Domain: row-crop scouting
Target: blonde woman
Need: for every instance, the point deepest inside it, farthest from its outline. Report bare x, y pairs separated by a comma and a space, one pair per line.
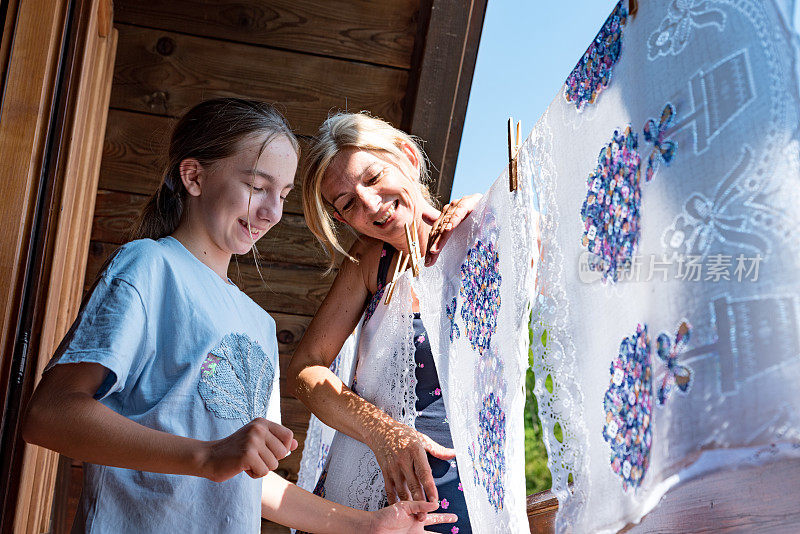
391, 418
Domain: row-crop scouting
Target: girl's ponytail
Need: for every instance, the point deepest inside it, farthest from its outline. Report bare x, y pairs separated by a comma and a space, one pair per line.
162, 213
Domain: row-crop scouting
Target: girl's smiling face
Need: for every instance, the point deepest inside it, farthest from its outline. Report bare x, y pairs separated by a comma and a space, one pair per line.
372, 193
236, 200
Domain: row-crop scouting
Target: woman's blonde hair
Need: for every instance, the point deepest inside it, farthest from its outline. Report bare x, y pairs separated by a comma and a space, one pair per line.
360, 131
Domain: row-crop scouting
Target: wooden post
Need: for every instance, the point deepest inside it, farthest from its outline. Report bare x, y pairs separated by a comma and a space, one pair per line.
61, 182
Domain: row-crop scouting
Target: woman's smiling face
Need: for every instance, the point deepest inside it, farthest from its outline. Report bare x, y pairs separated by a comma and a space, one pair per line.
372, 193
242, 195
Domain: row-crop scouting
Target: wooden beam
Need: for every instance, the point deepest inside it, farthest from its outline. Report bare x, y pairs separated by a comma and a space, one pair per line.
166, 73
439, 95
362, 30
542, 509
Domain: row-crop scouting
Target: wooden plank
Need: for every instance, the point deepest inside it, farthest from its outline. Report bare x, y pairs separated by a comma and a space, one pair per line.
542, 508
364, 30
268, 527
168, 79
68, 490
284, 288
290, 329
134, 151
751, 499
439, 93
289, 241
134, 155
755, 500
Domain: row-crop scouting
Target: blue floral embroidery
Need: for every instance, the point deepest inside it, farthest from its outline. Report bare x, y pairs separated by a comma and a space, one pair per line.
628, 407
663, 150
592, 74
487, 449
451, 314
236, 379
480, 292
488, 459
611, 210
373, 303
676, 375
319, 489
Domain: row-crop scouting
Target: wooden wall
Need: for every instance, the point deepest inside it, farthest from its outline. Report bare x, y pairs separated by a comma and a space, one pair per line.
310, 57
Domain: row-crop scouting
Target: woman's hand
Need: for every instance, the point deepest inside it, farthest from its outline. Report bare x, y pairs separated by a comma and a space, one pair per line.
256, 449
407, 517
452, 215
401, 454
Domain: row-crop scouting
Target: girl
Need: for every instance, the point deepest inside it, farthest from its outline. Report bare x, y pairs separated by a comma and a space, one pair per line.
170, 370
370, 176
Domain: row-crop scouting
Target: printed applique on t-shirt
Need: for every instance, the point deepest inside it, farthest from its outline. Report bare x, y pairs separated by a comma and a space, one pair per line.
236, 379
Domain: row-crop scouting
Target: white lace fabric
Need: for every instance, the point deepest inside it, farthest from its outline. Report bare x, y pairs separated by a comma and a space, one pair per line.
481, 371
727, 197
480, 346
384, 371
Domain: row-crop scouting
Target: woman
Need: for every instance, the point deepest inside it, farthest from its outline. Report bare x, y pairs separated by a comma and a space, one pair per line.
170, 370
371, 177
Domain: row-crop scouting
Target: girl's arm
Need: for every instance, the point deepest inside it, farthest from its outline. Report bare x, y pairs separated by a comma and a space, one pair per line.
399, 449
287, 504
64, 416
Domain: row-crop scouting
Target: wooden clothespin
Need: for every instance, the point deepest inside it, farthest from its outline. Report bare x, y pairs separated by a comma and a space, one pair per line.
633, 7
413, 247
402, 261
513, 152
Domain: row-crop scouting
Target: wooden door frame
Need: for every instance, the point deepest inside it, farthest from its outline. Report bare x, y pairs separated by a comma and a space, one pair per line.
55, 180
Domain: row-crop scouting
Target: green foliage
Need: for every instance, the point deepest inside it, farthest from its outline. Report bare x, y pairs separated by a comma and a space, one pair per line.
537, 475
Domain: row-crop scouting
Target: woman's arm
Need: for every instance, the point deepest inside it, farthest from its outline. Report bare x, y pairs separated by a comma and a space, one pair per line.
64, 416
399, 449
287, 504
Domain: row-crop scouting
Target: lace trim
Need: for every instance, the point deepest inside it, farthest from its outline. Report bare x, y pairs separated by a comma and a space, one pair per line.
554, 365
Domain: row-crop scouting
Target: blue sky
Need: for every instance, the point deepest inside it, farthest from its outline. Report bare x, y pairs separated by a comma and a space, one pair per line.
527, 50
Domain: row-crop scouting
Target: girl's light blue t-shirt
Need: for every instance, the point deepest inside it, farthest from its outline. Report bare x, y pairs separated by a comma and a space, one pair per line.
188, 354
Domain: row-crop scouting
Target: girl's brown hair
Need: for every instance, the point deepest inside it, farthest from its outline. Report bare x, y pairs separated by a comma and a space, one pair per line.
210, 131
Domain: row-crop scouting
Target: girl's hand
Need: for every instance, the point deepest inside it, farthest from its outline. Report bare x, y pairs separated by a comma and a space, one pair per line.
407, 517
256, 449
401, 454
452, 215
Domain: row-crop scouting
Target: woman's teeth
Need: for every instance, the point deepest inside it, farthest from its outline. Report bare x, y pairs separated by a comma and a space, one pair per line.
389, 213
